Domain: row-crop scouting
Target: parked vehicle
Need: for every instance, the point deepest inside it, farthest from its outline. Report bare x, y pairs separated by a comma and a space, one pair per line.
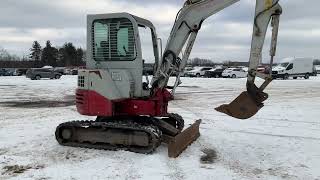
38, 73
2, 72
294, 67
6, 72
74, 72
14, 72
317, 69
187, 69
148, 69
315, 73
47, 67
216, 72
61, 70
10, 72
235, 73
21, 71
183, 74
197, 71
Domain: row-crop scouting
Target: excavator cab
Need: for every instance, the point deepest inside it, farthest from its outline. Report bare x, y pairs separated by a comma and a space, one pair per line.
115, 51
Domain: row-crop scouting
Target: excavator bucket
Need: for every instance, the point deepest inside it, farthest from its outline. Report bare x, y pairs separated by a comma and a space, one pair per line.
243, 107
178, 143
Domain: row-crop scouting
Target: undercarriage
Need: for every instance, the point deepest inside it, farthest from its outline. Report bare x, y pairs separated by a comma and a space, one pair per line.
140, 134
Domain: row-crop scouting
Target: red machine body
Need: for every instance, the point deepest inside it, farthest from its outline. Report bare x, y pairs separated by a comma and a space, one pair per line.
91, 103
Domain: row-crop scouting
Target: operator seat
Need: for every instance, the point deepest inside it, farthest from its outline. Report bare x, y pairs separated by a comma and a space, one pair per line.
103, 51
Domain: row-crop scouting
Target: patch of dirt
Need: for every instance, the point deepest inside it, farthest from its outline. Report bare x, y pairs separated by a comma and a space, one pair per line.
257, 171
37, 104
17, 169
210, 156
280, 172
8, 85
70, 155
179, 98
68, 100
217, 92
189, 86
70, 97
43, 178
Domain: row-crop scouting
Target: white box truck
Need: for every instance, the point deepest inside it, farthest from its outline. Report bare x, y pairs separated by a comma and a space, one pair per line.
293, 67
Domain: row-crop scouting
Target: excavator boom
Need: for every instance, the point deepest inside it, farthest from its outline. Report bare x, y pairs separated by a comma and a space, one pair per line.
185, 30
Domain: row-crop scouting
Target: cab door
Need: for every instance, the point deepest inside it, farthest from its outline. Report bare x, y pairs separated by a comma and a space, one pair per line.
114, 49
46, 73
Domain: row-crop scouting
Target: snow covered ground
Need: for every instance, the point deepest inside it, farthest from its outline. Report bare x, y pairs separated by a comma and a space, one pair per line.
281, 142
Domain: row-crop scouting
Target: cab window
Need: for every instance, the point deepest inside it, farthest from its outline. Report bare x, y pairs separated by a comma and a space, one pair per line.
290, 67
113, 40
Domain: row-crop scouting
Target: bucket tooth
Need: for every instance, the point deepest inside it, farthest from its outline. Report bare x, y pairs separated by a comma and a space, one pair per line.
243, 107
178, 143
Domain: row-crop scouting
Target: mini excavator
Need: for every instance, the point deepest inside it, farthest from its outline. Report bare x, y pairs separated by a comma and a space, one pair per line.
132, 114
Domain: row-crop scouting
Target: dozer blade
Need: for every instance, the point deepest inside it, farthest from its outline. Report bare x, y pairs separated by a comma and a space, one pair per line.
180, 142
243, 107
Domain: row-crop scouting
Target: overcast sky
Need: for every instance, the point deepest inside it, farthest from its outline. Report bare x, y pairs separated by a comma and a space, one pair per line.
224, 36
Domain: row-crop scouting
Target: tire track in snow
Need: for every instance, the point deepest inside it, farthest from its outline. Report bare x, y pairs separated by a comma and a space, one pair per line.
274, 135
287, 120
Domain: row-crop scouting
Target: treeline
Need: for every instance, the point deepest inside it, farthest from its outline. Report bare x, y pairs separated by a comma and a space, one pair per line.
6, 56
65, 56
200, 62
68, 55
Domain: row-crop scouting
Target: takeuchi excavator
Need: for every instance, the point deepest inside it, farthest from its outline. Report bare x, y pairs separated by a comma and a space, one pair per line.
132, 114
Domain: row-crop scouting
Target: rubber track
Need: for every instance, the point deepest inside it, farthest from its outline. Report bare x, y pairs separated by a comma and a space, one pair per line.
154, 134
179, 122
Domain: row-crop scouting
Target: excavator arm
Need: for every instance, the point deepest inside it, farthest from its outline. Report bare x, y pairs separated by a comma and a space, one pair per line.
248, 103
183, 35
